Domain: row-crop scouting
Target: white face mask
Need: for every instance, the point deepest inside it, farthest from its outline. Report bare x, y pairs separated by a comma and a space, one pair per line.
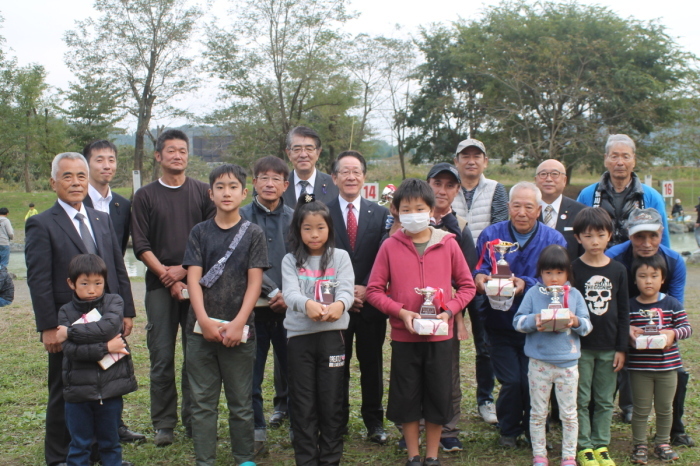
415, 223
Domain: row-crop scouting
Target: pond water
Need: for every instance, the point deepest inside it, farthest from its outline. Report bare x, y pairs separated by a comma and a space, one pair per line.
135, 268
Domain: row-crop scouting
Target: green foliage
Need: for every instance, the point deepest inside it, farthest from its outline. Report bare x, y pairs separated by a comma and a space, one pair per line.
546, 80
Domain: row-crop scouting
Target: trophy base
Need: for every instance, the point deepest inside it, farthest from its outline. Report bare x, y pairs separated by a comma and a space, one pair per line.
327, 299
502, 271
428, 312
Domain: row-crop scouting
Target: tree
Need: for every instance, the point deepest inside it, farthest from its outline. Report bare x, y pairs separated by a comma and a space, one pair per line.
279, 65
546, 81
139, 45
95, 106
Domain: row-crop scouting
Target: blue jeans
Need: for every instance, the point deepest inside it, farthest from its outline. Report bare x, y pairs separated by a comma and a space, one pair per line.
267, 331
4, 256
91, 420
510, 365
484, 369
4, 302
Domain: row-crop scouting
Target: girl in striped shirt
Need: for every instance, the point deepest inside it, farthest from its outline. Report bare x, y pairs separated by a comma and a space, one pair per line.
653, 371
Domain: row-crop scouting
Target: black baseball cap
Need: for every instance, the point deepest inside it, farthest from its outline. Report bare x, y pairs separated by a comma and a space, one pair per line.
444, 167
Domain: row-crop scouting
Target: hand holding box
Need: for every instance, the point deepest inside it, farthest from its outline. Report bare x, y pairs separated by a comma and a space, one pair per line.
503, 287
656, 342
430, 327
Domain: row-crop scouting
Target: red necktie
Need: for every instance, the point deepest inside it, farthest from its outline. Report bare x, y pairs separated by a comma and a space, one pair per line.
352, 226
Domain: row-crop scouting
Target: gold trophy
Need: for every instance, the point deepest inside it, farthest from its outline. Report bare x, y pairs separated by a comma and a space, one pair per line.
327, 294
427, 309
503, 248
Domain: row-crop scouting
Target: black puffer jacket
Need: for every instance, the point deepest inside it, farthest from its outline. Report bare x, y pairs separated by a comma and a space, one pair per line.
83, 379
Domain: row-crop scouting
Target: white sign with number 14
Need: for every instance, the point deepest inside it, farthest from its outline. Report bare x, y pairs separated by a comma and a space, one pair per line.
370, 191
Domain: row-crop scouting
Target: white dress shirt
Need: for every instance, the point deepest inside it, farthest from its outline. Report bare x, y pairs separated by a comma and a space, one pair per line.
297, 185
76, 223
556, 205
98, 202
344, 209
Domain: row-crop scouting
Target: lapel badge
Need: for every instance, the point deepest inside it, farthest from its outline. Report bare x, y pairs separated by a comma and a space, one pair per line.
563, 216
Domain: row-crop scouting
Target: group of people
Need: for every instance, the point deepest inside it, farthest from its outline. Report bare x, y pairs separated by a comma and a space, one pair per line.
312, 269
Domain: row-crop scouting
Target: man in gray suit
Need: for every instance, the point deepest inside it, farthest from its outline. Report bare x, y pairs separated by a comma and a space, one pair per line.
303, 149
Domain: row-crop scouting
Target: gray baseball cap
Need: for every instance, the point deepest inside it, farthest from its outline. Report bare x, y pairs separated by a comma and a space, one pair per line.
644, 220
470, 143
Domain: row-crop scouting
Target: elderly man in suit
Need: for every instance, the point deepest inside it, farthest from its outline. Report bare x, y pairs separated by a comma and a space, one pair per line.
558, 211
53, 238
359, 226
303, 149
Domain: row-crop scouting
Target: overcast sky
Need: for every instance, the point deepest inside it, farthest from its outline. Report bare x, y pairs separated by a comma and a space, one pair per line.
34, 29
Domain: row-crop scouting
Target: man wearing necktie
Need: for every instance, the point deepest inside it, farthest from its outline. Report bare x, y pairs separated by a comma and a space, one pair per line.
558, 211
53, 238
359, 227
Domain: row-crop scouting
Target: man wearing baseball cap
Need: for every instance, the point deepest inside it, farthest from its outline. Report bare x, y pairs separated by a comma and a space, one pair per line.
482, 201
645, 230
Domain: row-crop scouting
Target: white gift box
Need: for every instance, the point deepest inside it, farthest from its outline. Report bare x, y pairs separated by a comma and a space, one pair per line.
503, 287
430, 327
555, 320
651, 341
109, 360
246, 330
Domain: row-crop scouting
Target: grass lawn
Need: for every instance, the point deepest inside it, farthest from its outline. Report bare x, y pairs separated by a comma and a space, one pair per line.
23, 398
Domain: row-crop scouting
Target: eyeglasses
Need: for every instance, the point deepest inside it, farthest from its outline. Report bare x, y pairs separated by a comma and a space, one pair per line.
274, 179
296, 150
624, 157
554, 174
346, 173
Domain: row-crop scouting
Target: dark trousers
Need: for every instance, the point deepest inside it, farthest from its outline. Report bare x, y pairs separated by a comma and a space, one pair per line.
57, 437
281, 388
267, 331
625, 400
92, 421
484, 369
370, 336
165, 315
510, 365
316, 374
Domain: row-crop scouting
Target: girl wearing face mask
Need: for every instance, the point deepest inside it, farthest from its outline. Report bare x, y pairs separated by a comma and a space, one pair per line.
419, 256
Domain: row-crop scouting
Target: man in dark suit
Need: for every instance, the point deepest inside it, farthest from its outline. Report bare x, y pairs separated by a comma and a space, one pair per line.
303, 149
53, 238
359, 227
558, 211
101, 156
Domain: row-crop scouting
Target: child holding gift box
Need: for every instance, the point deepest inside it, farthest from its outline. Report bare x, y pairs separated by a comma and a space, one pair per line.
603, 283
419, 256
653, 371
553, 355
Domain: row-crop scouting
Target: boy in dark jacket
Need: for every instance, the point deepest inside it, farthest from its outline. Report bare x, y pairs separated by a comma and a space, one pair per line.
93, 395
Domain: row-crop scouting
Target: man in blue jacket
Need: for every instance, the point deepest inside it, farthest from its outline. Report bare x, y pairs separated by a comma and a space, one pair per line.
507, 345
645, 230
619, 189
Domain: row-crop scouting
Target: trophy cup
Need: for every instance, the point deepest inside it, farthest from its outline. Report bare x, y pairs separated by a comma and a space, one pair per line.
427, 309
556, 316
327, 295
652, 338
503, 248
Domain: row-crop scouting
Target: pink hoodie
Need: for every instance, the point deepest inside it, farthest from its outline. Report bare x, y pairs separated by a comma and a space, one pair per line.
399, 265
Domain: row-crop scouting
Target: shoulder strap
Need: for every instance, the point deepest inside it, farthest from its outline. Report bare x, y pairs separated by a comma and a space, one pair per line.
215, 272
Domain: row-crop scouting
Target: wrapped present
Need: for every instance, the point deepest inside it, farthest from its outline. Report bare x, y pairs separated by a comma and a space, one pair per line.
555, 320
503, 287
109, 360
430, 327
651, 342
246, 330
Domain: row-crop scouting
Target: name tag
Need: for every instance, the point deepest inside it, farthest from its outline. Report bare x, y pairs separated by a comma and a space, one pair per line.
568, 228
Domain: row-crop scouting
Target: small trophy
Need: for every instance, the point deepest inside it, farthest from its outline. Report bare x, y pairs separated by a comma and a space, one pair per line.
427, 309
325, 295
651, 328
556, 316
503, 248
652, 338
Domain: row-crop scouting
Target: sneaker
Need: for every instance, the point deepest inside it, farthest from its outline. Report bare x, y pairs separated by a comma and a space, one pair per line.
682, 440
487, 411
586, 457
431, 462
507, 442
248, 463
665, 453
540, 461
451, 444
568, 461
603, 456
164, 437
415, 461
640, 455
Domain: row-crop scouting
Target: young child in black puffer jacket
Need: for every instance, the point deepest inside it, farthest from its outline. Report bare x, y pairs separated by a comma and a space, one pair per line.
93, 395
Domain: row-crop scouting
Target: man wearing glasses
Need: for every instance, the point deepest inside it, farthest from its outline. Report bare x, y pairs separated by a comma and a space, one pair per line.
619, 190
303, 149
558, 211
